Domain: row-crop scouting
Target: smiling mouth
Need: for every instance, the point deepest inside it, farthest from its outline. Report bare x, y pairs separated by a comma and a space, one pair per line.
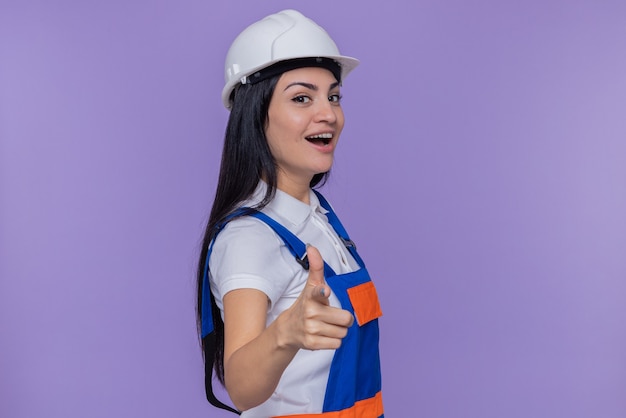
321, 139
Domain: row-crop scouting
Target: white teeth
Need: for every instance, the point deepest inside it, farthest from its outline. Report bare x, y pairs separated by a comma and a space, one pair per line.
321, 136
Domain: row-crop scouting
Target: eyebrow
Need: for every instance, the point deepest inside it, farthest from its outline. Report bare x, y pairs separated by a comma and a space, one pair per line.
309, 85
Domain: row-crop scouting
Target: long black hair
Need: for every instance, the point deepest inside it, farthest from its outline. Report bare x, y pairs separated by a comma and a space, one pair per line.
246, 159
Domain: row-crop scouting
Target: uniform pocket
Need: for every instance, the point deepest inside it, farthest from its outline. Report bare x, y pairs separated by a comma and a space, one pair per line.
364, 300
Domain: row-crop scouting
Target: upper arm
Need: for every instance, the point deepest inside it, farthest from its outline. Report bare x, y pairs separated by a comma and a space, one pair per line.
245, 312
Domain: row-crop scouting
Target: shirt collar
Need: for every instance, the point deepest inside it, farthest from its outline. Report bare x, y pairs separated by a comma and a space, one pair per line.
286, 206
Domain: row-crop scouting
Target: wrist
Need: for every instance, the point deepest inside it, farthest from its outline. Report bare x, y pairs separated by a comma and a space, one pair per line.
282, 335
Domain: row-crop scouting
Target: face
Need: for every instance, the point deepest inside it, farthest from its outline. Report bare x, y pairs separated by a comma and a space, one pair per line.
304, 122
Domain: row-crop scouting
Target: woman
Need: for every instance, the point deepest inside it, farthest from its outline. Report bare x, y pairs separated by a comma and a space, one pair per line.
289, 331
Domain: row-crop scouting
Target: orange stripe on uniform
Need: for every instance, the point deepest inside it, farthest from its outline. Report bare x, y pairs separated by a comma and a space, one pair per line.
367, 408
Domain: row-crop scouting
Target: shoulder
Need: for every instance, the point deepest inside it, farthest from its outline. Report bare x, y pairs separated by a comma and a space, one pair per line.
246, 237
245, 229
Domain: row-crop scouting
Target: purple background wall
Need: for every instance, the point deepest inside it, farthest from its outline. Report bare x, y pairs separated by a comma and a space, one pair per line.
482, 173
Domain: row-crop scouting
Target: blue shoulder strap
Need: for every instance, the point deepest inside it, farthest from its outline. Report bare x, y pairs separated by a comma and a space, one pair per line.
293, 243
334, 221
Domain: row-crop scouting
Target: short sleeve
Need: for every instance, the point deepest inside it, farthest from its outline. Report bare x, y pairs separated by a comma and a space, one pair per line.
247, 254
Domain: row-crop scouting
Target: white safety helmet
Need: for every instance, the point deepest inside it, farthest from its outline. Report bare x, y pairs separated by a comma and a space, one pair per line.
283, 36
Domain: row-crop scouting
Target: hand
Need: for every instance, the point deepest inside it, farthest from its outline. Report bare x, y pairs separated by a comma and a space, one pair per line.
310, 322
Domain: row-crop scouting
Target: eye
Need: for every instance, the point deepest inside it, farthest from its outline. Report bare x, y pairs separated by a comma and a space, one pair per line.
335, 98
301, 99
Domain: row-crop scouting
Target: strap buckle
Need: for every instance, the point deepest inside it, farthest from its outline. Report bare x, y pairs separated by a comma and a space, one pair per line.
348, 243
303, 261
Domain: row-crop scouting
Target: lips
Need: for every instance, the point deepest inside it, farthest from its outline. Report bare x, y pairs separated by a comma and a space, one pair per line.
320, 139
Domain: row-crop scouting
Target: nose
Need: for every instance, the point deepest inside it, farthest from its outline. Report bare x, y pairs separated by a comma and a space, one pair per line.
326, 111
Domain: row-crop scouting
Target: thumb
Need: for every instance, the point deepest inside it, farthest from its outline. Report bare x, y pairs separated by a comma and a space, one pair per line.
316, 274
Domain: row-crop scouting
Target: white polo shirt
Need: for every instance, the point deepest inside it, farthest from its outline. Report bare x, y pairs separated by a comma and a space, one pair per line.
248, 254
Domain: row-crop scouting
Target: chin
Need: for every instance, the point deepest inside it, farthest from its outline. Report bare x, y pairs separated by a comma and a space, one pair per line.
324, 167
323, 170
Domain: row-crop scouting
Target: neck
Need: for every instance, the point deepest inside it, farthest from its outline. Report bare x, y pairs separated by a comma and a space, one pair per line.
295, 188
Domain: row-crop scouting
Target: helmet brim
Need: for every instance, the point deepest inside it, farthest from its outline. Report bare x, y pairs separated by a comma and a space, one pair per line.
346, 63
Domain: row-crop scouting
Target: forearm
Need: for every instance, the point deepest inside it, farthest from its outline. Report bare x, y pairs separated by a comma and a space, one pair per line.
253, 371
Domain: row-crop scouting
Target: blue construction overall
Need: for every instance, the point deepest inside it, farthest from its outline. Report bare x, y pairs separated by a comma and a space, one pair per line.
354, 383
